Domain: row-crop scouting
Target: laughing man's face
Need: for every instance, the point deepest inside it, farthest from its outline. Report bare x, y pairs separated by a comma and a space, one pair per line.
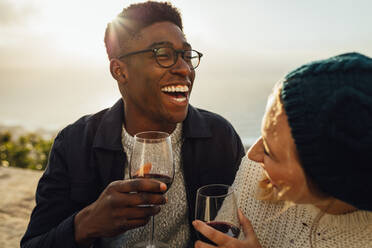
160, 94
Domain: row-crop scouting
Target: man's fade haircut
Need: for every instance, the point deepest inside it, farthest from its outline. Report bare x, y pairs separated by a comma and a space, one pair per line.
133, 19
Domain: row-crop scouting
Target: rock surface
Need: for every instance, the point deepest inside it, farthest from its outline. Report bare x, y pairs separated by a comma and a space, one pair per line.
17, 199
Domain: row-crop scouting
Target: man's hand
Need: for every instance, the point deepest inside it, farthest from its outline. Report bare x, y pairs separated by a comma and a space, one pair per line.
223, 240
116, 210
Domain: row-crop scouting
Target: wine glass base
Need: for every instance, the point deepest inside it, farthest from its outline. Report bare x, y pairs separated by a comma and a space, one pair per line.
155, 244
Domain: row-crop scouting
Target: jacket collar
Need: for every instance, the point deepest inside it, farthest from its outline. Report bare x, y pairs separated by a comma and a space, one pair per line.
108, 134
195, 125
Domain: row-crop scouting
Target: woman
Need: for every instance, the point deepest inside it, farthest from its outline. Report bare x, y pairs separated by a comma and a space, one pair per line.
315, 152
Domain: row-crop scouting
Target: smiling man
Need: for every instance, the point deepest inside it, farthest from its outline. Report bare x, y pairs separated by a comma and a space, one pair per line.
85, 197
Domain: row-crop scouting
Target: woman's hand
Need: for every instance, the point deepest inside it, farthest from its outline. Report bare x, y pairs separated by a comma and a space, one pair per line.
225, 241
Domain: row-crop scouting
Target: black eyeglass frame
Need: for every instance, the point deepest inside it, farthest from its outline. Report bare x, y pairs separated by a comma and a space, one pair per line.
154, 50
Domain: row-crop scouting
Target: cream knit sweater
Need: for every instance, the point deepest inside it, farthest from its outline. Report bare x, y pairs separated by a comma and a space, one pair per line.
279, 228
171, 224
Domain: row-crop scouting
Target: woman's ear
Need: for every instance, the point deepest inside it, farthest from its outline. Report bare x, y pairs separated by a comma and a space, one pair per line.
118, 70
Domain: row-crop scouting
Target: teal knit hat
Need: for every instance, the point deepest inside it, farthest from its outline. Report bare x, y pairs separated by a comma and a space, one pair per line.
329, 109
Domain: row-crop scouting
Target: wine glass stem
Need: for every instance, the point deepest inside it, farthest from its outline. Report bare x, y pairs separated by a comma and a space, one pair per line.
151, 241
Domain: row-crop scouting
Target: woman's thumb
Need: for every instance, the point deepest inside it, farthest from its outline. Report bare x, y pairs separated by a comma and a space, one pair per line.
246, 224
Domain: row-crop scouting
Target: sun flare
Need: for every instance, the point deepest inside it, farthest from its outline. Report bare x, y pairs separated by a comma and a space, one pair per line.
79, 26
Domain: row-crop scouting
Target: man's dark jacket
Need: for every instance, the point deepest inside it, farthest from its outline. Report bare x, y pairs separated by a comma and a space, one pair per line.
87, 155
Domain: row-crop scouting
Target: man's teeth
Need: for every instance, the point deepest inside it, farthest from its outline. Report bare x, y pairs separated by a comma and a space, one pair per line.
178, 88
180, 99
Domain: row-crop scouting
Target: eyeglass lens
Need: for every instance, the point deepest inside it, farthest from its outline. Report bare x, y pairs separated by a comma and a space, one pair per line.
167, 56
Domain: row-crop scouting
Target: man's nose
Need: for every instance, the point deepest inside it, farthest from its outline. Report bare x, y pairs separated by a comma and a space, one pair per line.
181, 67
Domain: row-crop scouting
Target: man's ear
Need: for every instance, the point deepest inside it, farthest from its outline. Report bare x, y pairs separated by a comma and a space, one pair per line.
118, 70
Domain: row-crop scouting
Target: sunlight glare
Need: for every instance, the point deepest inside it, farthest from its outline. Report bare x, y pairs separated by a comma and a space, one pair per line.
77, 27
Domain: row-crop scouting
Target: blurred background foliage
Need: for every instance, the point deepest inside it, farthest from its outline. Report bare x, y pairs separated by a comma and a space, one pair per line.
29, 150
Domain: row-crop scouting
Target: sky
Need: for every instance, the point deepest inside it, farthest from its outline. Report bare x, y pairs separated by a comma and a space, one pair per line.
54, 68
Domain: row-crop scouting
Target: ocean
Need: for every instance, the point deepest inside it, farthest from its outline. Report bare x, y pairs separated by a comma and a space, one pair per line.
243, 107
247, 125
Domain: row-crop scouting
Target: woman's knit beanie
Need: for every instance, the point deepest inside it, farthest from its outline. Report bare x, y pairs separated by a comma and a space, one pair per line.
329, 109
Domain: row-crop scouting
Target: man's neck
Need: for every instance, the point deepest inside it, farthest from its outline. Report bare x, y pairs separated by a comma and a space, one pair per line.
134, 128
137, 124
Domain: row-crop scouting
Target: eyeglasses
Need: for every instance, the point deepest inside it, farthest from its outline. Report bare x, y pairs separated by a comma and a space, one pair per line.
167, 56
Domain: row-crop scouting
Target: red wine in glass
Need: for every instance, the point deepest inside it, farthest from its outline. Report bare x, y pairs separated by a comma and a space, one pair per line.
152, 158
224, 227
216, 206
162, 178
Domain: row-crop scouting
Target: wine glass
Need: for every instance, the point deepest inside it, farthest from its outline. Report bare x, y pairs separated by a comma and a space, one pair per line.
216, 206
152, 159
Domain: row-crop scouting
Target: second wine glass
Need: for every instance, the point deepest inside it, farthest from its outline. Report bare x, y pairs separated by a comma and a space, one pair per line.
152, 158
216, 206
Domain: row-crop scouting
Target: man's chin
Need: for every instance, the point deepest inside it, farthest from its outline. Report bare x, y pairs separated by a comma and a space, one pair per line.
179, 116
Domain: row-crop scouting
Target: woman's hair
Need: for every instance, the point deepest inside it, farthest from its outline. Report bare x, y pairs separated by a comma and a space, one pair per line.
266, 191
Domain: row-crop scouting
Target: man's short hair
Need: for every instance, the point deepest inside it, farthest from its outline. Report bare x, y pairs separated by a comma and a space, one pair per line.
134, 18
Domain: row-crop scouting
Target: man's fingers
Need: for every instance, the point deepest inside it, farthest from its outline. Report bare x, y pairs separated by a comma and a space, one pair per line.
122, 200
216, 236
138, 185
246, 224
130, 224
137, 212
